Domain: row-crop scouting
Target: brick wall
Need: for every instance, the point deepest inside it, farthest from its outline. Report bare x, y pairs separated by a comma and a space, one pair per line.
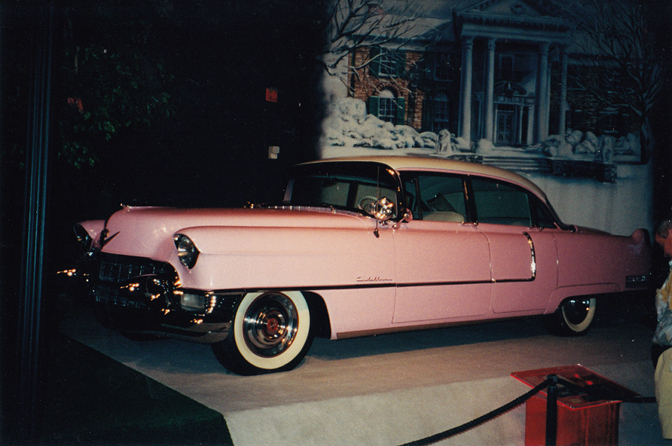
364, 84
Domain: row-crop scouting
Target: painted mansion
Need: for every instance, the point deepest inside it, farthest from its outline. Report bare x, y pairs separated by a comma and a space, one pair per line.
496, 70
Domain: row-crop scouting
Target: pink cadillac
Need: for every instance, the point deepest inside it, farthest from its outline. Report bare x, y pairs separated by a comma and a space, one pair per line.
358, 246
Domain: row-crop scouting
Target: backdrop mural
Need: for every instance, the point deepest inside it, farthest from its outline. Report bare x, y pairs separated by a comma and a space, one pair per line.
618, 204
527, 86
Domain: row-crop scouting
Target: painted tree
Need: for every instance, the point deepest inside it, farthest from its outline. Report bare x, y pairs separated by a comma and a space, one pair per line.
628, 69
381, 29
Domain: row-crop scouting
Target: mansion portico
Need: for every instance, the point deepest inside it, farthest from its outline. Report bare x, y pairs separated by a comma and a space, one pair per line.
495, 70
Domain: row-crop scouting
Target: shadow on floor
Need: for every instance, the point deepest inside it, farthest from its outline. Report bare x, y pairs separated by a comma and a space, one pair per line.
91, 399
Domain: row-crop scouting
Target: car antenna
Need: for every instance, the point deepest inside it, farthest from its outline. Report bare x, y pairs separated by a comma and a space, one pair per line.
375, 231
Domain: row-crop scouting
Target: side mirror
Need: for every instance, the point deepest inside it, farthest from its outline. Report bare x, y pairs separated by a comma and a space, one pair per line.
381, 209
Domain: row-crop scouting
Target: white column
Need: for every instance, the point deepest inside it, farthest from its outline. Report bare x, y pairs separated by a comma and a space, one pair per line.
489, 100
529, 138
541, 105
465, 85
562, 123
520, 138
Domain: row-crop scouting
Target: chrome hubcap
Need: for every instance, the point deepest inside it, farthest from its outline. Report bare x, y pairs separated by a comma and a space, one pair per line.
270, 325
576, 310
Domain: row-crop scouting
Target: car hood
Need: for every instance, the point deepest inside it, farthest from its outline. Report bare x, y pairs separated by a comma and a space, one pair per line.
148, 231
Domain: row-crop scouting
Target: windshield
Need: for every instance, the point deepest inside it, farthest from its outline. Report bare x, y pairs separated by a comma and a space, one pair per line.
341, 185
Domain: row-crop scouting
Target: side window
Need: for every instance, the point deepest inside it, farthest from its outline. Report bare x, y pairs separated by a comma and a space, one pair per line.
544, 218
411, 195
344, 185
436, 197
501, 203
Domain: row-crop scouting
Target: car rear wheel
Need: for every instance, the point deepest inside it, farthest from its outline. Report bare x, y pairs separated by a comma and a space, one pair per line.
271, 332
573, 317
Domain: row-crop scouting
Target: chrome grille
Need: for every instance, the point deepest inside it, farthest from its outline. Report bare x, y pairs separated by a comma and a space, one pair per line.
121, 268
109, 296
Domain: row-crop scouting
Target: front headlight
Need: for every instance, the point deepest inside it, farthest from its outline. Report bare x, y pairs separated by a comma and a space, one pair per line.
186, 250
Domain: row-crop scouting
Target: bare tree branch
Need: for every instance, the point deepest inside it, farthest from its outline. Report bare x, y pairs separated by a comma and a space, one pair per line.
356, 24
628, 70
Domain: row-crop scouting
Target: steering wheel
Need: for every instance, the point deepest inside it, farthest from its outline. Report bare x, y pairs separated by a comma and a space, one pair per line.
366, 202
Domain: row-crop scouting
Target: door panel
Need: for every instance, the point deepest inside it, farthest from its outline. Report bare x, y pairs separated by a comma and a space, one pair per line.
510, 254
443, 271
523, 255
524, 265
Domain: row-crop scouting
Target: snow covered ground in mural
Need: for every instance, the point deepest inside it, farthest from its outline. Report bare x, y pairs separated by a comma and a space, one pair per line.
349, 125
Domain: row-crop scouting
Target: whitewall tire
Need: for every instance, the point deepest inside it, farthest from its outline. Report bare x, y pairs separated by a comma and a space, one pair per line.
573, 317
271, 332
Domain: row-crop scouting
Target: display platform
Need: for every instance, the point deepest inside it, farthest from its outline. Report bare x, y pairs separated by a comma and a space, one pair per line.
392, 389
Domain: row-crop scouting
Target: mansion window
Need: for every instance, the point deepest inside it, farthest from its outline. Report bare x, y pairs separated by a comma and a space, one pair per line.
387, 63
575, 77
613, 81
505, 67
441, 67
610, 123
387, 107
440, 113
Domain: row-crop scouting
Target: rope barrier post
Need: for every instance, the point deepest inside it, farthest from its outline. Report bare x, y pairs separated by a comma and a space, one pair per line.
551, 385
552, 411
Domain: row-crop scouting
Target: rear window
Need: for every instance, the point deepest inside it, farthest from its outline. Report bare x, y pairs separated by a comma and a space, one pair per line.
501, 203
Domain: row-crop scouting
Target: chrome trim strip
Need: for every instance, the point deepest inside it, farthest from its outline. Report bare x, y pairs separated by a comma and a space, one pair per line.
533, 265
353, 287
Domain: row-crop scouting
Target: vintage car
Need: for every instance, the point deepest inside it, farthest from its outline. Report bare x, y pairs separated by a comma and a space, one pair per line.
358, 246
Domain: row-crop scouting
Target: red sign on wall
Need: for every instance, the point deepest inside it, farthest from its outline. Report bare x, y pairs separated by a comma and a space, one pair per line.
271, 95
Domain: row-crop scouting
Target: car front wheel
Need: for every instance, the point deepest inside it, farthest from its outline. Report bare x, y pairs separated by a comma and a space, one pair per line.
271, 332
573, 317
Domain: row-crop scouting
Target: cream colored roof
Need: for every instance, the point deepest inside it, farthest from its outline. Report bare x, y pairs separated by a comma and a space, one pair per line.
401, 163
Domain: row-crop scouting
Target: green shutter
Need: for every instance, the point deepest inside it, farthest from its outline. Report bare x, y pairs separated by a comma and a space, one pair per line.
401, 110
424, 66
400, 67
373, 106
375, 61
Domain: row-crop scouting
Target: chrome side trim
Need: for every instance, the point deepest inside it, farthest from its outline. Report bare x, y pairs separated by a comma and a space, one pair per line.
533, 265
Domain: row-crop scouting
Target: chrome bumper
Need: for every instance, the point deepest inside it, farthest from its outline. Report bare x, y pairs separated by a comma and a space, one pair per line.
150, 304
